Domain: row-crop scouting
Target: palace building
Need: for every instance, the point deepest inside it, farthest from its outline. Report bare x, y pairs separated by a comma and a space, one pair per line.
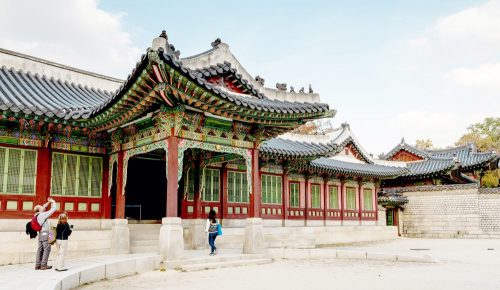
182, 136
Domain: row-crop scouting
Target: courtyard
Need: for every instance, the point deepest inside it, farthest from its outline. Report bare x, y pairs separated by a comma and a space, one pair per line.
461, 264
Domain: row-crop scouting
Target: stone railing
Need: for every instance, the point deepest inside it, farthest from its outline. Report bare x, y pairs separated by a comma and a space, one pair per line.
495, 190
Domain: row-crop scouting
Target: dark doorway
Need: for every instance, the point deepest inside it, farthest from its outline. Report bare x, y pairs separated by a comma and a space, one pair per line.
146, 189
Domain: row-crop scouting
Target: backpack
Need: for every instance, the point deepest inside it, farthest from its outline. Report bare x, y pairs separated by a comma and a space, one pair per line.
34, 224
30, 231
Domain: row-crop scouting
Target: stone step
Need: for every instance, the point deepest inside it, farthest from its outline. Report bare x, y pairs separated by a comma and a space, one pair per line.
134, 243
217, 265
134, 236
144, 249
172, 264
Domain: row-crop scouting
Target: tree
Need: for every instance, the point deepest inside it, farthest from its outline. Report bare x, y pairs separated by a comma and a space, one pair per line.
485, 136
424, 144
315, 127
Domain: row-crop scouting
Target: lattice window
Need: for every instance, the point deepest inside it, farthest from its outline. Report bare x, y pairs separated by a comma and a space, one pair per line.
76, 175
212, 185
334, 197
350, 198
271, 187
237, 186
189, 187
367, 199
17, 171
294, 194
315, 196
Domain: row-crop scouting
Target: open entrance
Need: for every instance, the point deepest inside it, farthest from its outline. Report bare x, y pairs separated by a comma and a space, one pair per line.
146, 188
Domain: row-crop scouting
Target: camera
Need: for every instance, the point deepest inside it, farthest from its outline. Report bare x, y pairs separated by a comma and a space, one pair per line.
71, 226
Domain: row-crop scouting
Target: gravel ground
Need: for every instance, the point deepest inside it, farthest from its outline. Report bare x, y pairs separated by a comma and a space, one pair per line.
463, 264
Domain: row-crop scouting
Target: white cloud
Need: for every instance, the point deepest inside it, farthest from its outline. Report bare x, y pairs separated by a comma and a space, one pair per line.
443, 128
486, 76
75, 33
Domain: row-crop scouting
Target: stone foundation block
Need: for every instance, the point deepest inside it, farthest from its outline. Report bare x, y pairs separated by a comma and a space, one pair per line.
171, 238
120, 237
254, 237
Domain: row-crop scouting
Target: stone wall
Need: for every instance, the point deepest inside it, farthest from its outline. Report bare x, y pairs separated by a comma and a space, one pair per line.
89, 238
451, 211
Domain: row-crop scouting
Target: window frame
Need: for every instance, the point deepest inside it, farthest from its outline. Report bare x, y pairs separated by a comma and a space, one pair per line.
371, 203
317, 198
275, 184
347, 198
21, 172
291, 204
243, 186
204, 194
336, 187
77, 175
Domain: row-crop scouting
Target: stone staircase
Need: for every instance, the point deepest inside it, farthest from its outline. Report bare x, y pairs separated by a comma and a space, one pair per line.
215, 262
144, 238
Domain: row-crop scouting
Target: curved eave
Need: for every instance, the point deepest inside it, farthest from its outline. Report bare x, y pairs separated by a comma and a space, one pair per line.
364, 170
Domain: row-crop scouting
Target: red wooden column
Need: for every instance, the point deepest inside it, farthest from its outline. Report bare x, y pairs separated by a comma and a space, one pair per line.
286, 195
172, 183
223, 195
326, 198
106, 200
360, 193
43, 170
342, 198
197, 193
255, 197
120, 190
307, 195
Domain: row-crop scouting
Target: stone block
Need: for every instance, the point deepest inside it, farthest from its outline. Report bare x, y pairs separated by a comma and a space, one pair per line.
70, 281
381, 256
341, 254
145, 264
323, 254
120, 237
50, 284
171, 238
120, 269
254, 237
296, 254
93, 273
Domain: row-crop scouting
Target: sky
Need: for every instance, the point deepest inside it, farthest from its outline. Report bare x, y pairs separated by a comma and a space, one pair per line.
392, 69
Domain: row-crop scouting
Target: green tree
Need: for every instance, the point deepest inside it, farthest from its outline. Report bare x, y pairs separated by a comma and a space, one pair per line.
485, 136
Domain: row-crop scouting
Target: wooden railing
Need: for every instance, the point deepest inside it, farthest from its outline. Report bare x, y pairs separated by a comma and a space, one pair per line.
272, 211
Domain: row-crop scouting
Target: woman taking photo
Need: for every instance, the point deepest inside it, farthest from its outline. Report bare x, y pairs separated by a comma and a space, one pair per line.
212, 230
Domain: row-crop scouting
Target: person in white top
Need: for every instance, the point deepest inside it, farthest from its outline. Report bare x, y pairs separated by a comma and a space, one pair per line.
211, 229
42, 216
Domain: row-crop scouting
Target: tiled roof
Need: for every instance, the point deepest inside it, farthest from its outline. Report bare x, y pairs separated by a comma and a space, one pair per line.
429, 167
34, 94
225, 69
288, 148
406, 147
38, 95
357, 169
388, 197
465, 155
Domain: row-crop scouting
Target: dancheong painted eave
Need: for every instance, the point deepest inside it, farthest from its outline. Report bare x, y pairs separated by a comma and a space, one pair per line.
158, 79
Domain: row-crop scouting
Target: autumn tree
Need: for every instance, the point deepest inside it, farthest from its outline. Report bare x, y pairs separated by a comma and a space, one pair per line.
424, 144
485, 136
315, 127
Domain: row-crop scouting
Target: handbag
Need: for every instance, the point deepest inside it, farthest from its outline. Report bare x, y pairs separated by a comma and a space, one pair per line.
52, 236
219, 230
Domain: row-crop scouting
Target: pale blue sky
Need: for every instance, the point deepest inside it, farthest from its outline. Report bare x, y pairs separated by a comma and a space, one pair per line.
418, 69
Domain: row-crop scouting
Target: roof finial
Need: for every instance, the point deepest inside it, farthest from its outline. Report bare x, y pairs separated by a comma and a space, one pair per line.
163, 34
216, 43
310, 89
403, 140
